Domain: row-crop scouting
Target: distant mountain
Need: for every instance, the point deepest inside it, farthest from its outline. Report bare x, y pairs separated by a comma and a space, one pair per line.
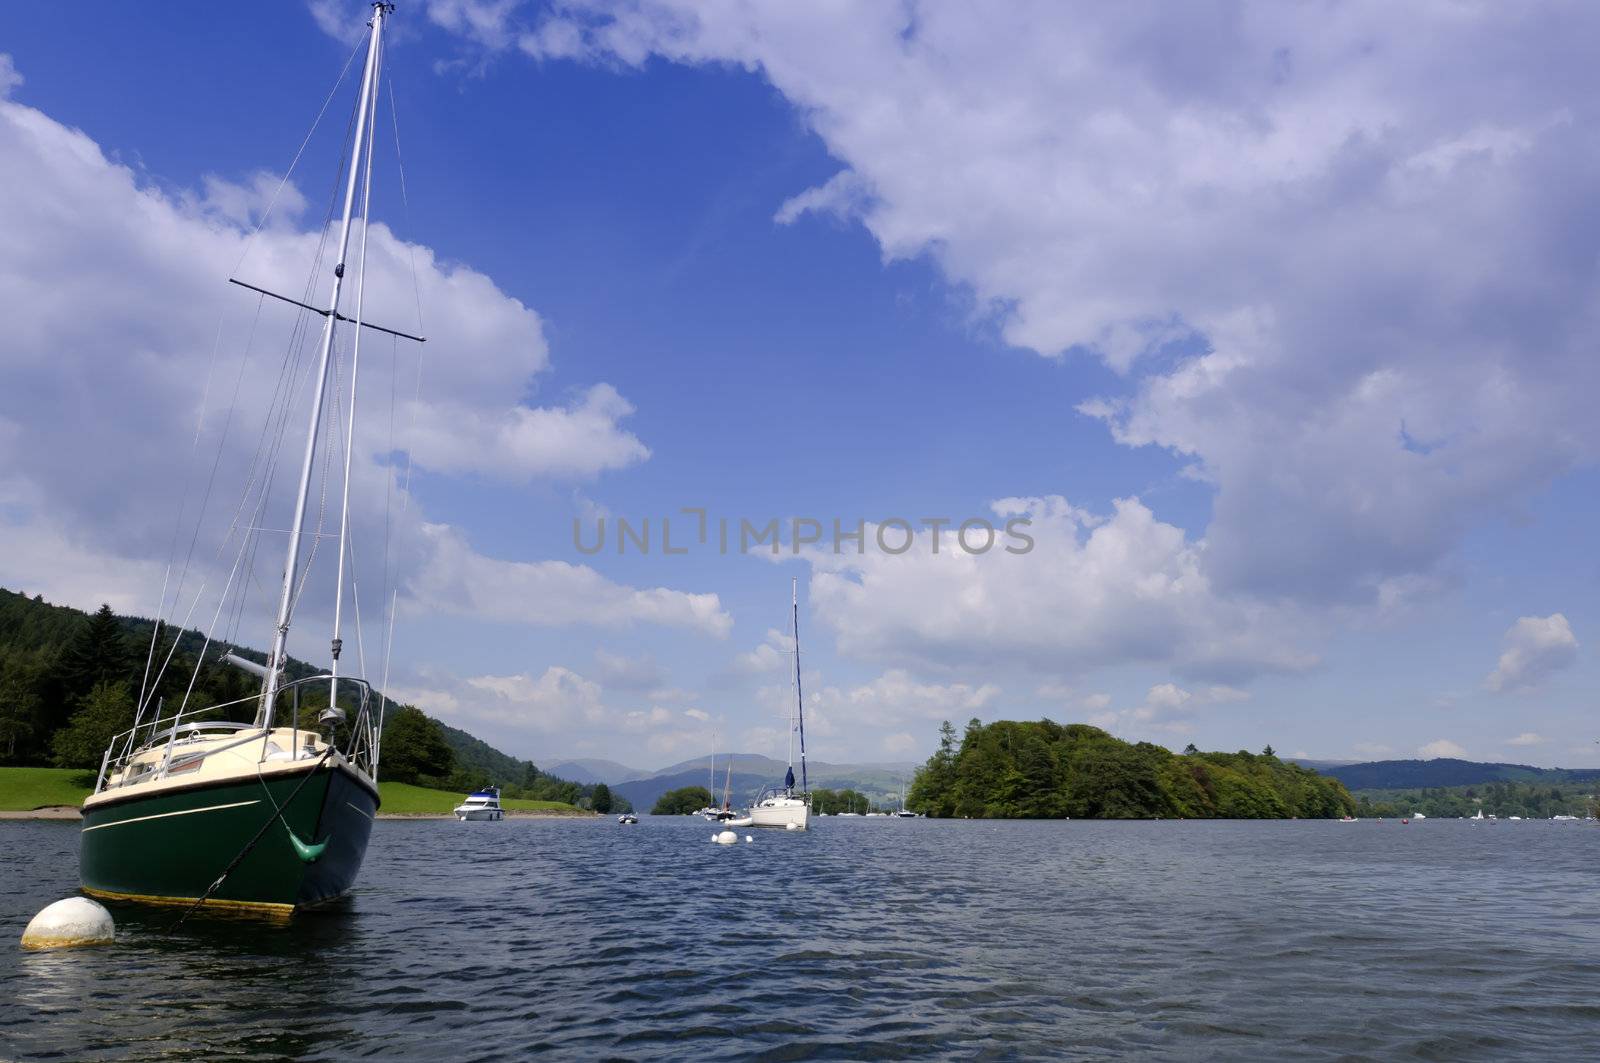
590, 770
1318, 765
1447, 771
752, 772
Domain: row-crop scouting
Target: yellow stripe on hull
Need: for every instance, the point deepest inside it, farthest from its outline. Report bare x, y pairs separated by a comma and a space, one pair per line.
253, 907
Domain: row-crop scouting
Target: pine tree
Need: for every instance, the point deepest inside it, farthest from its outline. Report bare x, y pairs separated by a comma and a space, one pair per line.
600, 799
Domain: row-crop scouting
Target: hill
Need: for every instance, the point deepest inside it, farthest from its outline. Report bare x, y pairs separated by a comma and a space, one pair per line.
1044, 770
753, 772
53, 656
592, 770
1446, 771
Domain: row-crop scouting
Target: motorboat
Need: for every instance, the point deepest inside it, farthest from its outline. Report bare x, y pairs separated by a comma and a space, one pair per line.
481, 804
627, 818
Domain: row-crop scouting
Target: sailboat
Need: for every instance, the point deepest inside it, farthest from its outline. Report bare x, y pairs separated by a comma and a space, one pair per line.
711, 811
782, 806
272, 815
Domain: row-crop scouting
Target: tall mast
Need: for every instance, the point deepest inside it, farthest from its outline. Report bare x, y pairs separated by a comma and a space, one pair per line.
280, 636
799, 699
345, 551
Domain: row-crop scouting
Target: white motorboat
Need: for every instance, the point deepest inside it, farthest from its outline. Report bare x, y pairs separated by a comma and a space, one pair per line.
627, 818
481, 804
783, 807
1479, 816
1418, 815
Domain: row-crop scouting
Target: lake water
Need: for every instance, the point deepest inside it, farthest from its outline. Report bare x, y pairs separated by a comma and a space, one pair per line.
861, 939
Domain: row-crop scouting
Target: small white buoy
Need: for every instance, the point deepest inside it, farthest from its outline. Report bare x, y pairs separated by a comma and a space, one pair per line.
726, 837
748, 838
66, 924
791, 826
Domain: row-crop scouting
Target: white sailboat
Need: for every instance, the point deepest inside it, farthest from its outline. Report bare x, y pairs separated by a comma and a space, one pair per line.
782, 806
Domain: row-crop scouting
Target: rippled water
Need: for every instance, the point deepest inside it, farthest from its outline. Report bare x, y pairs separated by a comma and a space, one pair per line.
868, 938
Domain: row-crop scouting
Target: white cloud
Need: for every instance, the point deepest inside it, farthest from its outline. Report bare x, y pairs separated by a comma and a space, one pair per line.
456, 579
1272, 224
9, 78
620, 672
1536, 647
111, 296
698, 714
1094, 591
900, 744
1526, 738
1442, 747
1373, 749
897, 696
772, 654
554, 702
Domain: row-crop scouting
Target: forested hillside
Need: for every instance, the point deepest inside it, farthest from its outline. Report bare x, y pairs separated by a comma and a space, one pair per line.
69, 682
1046, 770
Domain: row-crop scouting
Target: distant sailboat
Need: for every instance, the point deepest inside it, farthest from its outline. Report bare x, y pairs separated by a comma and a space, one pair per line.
783, 807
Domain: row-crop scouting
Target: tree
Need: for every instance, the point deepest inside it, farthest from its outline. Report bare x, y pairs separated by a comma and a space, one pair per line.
414, 746
1190, 750
104, 713
600, 799
99, 654
1268, 751
684, 800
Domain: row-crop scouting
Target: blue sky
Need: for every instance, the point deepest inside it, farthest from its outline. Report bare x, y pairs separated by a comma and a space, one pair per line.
1279, 328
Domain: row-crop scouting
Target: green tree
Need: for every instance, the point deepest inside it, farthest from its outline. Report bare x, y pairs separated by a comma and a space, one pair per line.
414, 746
106, 711
99, 654
600, 799
682, 801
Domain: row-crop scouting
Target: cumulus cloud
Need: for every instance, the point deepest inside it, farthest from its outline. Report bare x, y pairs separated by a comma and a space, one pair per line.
457, 579
1442, 747
1274, 225
898, 696
1095, 590
1536, 647
1526, 738
554, 702
114, 351
1169, 708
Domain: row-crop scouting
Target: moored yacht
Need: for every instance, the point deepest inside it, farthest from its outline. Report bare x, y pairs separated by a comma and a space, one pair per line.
274, 814
783, 806
481, 804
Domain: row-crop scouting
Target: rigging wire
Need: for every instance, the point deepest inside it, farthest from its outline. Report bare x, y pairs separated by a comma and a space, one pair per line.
284, 181
393, 592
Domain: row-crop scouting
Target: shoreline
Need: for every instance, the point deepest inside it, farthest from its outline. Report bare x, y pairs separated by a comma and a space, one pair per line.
73, 812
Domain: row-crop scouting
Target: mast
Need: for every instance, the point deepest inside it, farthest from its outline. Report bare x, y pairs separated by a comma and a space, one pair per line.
799, 700
280, 636
345, 550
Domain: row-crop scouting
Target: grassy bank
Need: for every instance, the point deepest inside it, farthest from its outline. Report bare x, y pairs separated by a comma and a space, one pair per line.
404, 799
24, 789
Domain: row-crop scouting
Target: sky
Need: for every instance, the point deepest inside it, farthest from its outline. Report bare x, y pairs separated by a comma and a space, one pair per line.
1261, 335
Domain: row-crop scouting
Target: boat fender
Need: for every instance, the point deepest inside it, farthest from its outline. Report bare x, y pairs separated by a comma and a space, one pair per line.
309, 854
68, 924
791, 826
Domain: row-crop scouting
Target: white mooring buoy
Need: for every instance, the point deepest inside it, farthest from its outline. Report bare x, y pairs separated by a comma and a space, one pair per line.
748, 838
791, 826
69, 923
726, 837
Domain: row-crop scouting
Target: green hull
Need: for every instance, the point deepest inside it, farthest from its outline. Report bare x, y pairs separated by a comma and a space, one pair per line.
169, 847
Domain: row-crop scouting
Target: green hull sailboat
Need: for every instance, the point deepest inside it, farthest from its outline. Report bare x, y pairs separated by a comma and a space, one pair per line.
274, 814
